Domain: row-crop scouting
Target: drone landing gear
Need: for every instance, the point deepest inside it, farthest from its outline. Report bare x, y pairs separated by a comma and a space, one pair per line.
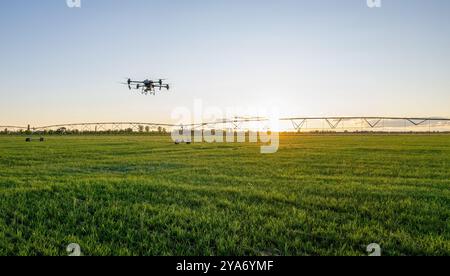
148, 92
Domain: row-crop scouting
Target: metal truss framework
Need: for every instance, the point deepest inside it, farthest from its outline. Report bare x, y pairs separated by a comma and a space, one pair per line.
105, 126
368, 122
239, 124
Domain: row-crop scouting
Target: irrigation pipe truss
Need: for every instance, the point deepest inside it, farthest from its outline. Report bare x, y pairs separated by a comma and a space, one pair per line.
298, 123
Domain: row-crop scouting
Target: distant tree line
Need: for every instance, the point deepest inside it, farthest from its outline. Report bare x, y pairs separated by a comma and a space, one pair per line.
141, 130
146, 130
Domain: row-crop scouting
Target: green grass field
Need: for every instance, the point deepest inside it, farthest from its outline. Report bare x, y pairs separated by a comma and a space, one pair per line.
138, 195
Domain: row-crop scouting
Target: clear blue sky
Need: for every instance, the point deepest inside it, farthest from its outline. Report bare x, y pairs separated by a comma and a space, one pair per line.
306, 58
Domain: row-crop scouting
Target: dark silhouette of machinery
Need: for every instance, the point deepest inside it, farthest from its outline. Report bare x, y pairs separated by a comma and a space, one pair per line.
147, 86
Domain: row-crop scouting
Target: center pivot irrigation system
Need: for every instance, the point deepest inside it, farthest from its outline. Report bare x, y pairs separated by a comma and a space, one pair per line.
296, 124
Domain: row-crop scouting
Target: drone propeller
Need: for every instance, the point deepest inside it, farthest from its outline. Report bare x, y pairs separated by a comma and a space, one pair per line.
128, 83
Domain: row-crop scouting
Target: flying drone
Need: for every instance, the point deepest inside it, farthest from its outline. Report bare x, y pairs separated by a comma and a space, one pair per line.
147, 86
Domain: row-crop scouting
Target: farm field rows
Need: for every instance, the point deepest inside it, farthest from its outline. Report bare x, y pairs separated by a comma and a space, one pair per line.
143, 195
